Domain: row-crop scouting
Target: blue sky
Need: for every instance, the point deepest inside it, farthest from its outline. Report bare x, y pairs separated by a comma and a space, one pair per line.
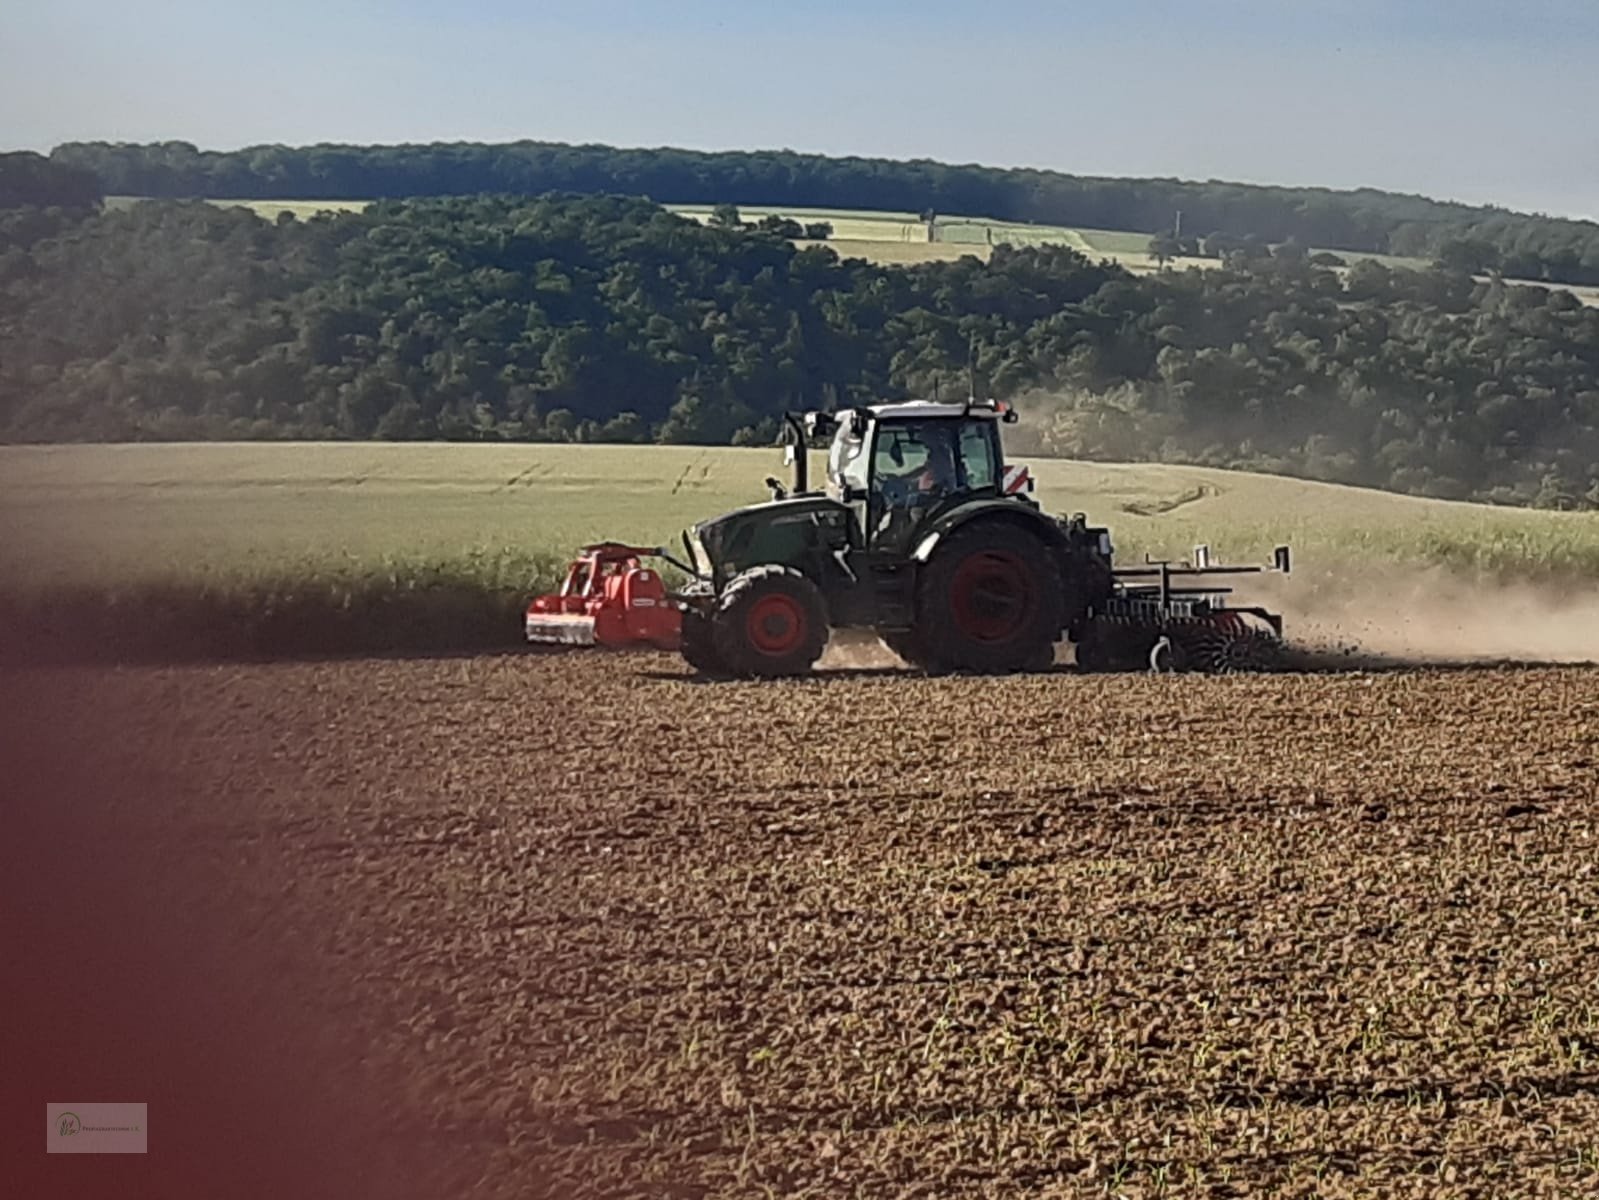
1480, 100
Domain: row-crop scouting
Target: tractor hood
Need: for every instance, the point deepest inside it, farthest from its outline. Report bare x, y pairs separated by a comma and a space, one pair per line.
780, 531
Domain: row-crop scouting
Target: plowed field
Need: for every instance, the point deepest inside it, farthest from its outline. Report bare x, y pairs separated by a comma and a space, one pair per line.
583, 926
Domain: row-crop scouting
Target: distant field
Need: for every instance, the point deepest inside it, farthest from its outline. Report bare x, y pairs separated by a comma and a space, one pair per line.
901, 237
231, 514
301, 209
904, 253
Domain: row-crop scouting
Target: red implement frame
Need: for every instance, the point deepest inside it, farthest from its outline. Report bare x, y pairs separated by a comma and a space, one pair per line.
609, 598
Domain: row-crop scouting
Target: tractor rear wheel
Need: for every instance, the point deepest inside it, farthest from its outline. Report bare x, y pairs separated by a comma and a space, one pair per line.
990, 600
770, 621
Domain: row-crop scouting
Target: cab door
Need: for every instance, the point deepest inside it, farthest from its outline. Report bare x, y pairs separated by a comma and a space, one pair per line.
981, 464
915, 472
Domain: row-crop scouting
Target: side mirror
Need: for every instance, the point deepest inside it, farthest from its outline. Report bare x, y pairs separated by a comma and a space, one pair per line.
895, 454
1281, 560
820, 424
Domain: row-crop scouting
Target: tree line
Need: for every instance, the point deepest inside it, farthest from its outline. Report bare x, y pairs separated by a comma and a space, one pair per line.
29, 180
1477, 238
600, 318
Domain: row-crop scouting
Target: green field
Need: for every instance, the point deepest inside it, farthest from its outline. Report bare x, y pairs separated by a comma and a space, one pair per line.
900, 237
275, 547
228, 513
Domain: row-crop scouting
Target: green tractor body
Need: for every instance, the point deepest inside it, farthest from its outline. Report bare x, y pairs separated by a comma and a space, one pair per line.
923, 534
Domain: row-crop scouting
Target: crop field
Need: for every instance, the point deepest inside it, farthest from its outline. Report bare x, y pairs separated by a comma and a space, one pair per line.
903, 254
123, 515
582, 926
901, 237
299, 209
208, 548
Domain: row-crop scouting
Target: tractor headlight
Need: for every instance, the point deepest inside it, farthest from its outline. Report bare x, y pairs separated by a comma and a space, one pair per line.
1105, 548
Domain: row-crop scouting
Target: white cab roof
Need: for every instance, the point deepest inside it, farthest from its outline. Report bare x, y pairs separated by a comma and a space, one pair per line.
929, 408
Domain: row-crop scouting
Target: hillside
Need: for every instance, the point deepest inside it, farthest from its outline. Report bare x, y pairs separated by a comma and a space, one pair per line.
1472, 238
609, 320
900, 239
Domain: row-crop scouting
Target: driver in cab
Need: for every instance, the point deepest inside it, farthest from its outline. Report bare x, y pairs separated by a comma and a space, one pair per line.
906, 494
926, 483
937, 477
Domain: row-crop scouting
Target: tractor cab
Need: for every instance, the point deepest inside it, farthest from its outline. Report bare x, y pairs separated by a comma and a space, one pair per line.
899, 465
896, 473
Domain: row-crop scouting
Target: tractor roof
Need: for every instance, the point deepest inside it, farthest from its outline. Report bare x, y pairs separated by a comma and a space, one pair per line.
917, 409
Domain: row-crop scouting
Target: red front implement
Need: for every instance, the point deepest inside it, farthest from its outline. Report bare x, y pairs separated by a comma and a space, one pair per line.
609, 598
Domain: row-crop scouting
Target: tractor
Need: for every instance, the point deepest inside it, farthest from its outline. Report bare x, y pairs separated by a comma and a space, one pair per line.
925, 535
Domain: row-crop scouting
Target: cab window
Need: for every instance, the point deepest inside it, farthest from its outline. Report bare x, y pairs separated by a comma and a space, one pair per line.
977, 454
916, 459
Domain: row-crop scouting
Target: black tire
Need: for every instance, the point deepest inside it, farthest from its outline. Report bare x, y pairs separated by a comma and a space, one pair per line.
989, 601
770, 621
697, 646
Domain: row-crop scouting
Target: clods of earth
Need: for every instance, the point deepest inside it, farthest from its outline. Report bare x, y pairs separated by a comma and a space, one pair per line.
582, 925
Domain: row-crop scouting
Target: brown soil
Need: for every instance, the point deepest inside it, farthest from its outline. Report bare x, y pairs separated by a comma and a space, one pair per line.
582, 926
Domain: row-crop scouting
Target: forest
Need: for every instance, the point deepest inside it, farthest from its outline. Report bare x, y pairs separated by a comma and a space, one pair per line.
1474, 238
29, 180
608, 319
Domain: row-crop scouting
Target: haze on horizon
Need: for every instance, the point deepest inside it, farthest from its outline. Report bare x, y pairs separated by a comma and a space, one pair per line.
1484, 101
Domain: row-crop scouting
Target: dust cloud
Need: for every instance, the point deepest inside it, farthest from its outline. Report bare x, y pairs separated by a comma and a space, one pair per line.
1370, 618
858, 650
1398, 615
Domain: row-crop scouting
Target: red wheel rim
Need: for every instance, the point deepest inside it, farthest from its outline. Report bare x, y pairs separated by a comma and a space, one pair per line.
776, 624
993, 596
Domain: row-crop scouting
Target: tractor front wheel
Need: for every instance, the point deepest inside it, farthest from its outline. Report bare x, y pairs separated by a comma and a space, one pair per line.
990, 600
697, 646
770, 621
